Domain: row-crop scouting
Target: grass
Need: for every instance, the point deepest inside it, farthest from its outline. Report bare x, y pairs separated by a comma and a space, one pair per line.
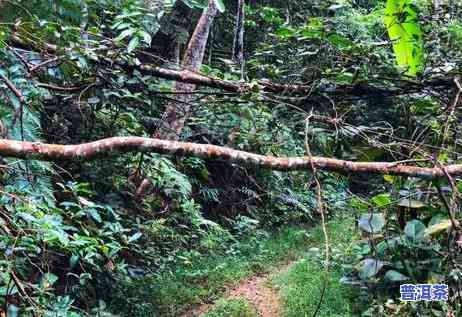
232, 308
300, 287
204, 278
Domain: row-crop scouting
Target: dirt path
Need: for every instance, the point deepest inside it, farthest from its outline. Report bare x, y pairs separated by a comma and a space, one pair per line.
263, 298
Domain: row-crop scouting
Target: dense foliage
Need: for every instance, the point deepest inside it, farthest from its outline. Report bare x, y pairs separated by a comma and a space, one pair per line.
79, 238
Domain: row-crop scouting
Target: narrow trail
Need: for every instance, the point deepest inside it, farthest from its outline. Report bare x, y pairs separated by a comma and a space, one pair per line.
255, 289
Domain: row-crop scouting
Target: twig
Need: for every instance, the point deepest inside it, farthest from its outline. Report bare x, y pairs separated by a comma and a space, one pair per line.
38, 66
58, 88
22, 291
22, 100
323, 220
13, 88
21, 58
452, 109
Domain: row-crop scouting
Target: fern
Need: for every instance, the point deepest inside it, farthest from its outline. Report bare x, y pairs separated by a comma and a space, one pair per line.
166, 177
31, 178
250, 193
210, 194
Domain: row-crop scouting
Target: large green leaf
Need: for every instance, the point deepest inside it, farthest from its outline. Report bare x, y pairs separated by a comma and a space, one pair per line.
395, 276
369, 268
404, 31
371, 223
415, 230
220, 5
381, 200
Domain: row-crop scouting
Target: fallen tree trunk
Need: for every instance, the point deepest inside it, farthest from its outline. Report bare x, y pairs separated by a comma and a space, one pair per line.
115, 145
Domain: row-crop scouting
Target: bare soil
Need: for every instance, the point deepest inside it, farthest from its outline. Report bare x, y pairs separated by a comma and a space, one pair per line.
256, 290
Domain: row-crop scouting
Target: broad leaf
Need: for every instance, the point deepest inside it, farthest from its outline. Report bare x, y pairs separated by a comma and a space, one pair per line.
133, 44
48, 279
405, 33
135, 237
411, 203
381, 200
369, 268
438, 228
395, 276
415, 230
372, 223
199, 4
220, 5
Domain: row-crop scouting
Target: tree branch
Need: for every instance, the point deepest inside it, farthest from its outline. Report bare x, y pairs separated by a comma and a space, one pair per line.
116, 145
360, 90
355, 90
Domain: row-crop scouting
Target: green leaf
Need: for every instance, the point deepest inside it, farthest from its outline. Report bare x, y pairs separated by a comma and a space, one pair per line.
13, 311
53, 235
74, 260
437, 228
220, 5
395, 276
369, 268
411, 203
359, 204
199, 4
389, 178
340, 41
146, 37
404, 31
133, 44
95, 215
124, 34
285, 32
135, 237
371, 223
381, 200
48, 279
27, 217
415, 230
11, 291
436, 219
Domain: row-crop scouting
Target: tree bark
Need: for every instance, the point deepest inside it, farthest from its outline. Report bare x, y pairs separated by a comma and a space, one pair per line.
238, 43
116, 145
176, 113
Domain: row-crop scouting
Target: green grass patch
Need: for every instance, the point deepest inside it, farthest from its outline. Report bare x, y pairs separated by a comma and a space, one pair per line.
204, 277
301, 286
232, 308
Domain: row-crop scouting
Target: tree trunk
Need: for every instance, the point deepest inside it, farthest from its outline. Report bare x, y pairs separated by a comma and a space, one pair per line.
176, 113
238, 44
114, 146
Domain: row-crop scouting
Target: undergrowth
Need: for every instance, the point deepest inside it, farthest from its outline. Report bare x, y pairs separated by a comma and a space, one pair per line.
232, 308
204, 277
301, 286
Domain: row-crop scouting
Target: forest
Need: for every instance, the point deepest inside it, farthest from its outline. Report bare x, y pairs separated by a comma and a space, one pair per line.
230, 158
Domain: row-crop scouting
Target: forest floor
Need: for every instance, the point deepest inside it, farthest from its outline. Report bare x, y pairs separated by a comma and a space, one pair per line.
264, 274
292, 287
256, 292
